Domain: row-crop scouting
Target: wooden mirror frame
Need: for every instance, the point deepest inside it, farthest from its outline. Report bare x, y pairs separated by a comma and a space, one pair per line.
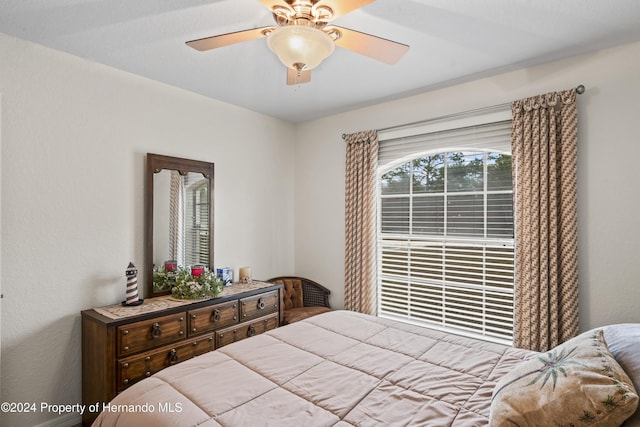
154, 164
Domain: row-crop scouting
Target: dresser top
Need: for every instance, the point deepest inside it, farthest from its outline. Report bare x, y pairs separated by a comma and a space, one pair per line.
154, 305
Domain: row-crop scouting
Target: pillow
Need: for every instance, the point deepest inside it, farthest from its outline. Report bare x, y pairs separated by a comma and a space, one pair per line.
624, 342
578, 383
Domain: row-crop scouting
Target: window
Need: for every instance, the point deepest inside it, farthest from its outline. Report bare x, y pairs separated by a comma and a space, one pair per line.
445, 230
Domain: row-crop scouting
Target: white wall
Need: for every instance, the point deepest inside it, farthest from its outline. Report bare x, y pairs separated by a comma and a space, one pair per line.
609, 158
74, 136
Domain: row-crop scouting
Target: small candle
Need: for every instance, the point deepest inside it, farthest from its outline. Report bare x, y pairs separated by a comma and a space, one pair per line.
197, 270
170, 265
245, 274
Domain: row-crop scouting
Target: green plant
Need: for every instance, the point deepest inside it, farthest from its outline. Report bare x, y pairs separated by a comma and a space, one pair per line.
188, 286
163, 280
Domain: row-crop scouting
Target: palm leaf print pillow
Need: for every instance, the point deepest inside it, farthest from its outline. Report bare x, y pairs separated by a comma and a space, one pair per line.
578, 383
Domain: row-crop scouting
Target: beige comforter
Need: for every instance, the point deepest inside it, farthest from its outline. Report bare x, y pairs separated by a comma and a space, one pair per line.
336, 369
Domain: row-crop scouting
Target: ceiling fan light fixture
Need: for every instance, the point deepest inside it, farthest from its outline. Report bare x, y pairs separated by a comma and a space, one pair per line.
296, 45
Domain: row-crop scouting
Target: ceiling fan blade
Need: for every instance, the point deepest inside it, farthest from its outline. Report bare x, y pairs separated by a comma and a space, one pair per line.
383, 50
341, 7
295, 77
221, 40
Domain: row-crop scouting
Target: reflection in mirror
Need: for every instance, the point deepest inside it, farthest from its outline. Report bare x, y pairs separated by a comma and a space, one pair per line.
179, 203
180, 219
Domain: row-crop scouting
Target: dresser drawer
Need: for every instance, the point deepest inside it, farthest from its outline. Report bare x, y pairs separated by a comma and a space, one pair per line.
149, 334
213, 317
135, 368
246, 330
259, 305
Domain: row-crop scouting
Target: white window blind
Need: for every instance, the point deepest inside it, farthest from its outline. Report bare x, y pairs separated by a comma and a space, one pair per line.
445, 229
489, 136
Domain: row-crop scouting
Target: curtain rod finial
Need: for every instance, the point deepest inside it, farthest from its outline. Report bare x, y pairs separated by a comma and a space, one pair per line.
580, 89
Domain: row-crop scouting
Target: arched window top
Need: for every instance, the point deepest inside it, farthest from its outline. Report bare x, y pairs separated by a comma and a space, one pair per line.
494, 137
382, 169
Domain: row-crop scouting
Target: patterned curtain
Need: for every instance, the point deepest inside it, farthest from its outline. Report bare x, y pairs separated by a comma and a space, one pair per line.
176, 217
544, 148
360, 222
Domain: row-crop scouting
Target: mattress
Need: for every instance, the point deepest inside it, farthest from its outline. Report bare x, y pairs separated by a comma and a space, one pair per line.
336, 369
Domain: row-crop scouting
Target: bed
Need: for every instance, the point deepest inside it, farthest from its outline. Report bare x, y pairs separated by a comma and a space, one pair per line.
348, 369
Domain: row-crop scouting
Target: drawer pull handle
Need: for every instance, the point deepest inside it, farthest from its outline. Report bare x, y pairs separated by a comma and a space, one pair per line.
261, 304
126, 381
125, 332
156, 331
173, 356
193, 316
148, 374
125, 365
194, 329
181, 333
215, 317
148, 358
195, 343
251, 331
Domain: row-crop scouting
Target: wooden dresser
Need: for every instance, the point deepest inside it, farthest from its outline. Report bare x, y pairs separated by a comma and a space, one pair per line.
123, 345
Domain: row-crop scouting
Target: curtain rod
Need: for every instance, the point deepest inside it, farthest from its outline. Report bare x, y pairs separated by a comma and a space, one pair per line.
580, 89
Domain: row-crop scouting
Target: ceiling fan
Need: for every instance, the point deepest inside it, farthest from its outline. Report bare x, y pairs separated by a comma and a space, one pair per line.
303, 38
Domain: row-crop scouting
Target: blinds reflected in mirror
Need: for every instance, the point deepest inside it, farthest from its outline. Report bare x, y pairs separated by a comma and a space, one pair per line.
189, 219
196, 223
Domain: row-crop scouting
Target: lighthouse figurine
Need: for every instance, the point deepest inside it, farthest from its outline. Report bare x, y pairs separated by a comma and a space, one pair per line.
132, 286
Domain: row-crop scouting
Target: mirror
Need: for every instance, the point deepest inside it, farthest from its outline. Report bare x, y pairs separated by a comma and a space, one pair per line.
178, 216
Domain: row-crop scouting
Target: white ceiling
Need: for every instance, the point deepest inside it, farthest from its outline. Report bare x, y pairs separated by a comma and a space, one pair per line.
450, 41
